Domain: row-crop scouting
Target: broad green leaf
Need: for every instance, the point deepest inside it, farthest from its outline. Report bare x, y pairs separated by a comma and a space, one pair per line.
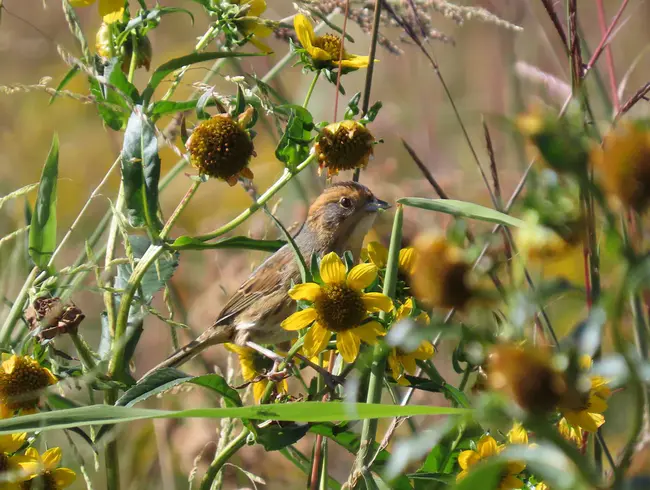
294, 146
141, 171
296, 412
113, 107
167, 68
163, 107
165, 379
462, 209
42, 232
278, 436
352, 441
237, 242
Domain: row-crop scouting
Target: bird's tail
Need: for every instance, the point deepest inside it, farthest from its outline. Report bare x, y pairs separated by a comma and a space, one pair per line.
213, 336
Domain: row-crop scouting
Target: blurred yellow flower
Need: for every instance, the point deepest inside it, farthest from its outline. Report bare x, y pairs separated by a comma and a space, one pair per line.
325, 50
48, 476
251, 25
623, 164
344, 145
16, 468
518, 434
22, 382
400, 361
339, 306
378, 255
486, 447
542, 486
110, 10
570, 433
254, 368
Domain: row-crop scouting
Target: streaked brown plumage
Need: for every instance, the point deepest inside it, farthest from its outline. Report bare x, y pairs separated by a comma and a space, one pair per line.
337, 221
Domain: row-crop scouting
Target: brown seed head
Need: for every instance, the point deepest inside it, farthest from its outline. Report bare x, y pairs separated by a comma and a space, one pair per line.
22, 380
345, 145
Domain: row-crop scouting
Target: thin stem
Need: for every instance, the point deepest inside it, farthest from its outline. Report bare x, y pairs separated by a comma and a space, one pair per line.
84, 352
378, 367
222, 458
134, 57
179, 209
112, 453
16, 310
609, 58
311, 89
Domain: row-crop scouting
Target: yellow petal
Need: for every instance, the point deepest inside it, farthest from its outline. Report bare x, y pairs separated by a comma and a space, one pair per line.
509, 482
320, 55
394, 365
368, 332
51, 458
10, 443
407, 260
518, 435
300, 319
378, 254
424, 351
487, 446
248, 371
348, 345
256, 8
332, 269
596, 404
259, 389
375, 302
32, 453
9, 365
356, 62
589, 422
304, 32
63, 477
26, 466
461, 475
111, 10
262, 46
237, 349
307, 292
316, 340
467, 459
361, 276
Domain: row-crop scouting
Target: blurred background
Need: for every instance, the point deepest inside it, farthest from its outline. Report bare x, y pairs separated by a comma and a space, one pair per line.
491, 71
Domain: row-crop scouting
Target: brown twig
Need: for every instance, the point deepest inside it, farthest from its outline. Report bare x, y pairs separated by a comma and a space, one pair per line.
575, 53
425, 171
548, 5
605, 39
629, 103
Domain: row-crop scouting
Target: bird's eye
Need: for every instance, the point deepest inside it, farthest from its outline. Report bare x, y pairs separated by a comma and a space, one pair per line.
345, 202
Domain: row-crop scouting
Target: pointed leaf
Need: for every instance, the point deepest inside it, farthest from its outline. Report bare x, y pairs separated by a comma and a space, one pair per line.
462, 209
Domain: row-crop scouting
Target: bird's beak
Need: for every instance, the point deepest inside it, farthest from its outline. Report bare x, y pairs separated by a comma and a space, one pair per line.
375, 205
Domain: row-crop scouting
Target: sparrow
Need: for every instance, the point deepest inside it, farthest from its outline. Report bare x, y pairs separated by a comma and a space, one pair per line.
337, 221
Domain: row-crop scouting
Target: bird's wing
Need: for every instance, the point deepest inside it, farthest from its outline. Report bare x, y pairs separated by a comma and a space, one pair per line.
270, 276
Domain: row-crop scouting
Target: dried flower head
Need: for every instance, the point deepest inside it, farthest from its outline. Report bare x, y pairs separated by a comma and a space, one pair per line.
22, 381
339, 306
441, 277
221, 147
325, 51
525, 375
50, 317
344, 145
623, 164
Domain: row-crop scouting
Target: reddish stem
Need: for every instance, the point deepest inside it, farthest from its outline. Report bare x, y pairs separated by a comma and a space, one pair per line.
603, 41
608, 57
338, 74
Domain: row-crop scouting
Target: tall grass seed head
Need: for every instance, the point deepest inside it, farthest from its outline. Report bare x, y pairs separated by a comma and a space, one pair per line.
344, 145
623, 165
221, 147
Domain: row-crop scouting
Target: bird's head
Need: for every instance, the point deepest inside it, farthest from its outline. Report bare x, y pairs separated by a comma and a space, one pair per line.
342, 216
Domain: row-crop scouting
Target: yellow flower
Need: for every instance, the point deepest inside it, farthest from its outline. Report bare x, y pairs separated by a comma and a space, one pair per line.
222, 147
518, 434
110, 10
325, 51
22, 381
485, 448
48, 475
378, 255
623, 165
542, 486
339, 306
570, 433
400, 361
344, 145
441, 274
17, 468
251, 25
254, 366
587, 412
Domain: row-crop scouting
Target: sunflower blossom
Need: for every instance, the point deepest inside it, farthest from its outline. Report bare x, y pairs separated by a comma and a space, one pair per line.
339, 306
15, 468
110, 10
588, 412
22, 381
48, 475
487, 446
325, 51
401, 361
254, 368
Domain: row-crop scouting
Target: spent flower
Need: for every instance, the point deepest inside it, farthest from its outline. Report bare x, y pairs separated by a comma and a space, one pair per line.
345, 145
339, 306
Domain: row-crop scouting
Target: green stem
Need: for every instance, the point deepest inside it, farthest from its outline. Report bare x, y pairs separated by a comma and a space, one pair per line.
86, 356
222, 458
112, 453
134, 57
311, 89
16, 310
179, 209
378, 367
263, 199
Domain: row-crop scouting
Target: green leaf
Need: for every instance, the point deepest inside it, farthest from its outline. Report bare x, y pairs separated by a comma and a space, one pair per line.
149, 16
42, 232
167, 68
296, 412
141, 171
72, 72
276, 437
462, 209
485, 475
163, 107
352, 441
294, 146
111, 105
165, 379
236, 242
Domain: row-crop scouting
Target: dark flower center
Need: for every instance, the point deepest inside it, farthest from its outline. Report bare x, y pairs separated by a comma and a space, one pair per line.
261, 363
339, 307
22, 388
220, 148
345, 149
331, 44
43, 482
4, 462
